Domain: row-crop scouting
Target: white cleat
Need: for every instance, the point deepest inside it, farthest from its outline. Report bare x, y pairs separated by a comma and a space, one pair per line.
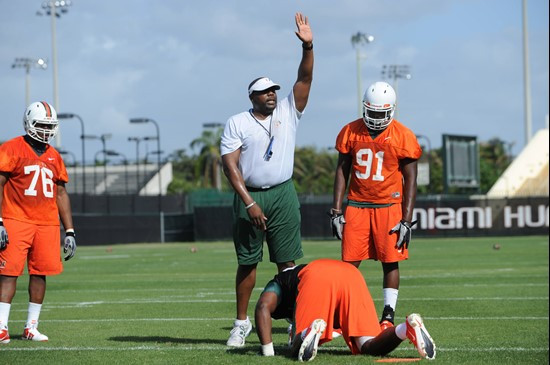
32, 334
308, 350
419, 336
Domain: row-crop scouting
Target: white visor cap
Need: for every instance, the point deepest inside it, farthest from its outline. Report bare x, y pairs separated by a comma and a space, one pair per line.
262, 84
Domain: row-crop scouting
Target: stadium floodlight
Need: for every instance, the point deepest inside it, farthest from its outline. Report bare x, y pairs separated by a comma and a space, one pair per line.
27, 64
50, 8
396, 72
357, 40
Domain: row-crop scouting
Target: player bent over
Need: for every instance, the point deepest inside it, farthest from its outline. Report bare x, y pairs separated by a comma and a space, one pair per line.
327, 295
32, 200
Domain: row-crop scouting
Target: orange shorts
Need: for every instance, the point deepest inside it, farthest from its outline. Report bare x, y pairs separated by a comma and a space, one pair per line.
39, 246
336, 292
366, 234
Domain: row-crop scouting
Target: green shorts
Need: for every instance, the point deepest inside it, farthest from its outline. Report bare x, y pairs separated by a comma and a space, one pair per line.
282, 209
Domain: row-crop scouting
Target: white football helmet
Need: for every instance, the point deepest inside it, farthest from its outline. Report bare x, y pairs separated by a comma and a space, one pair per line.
40, 121
379, 105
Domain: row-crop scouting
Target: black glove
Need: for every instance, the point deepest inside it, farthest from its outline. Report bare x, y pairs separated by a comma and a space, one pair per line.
405, 232
69, 245
3, 237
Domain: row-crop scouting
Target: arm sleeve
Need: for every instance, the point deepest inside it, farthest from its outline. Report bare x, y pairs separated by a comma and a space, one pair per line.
231, 140
342, 145
7, 164
274, 287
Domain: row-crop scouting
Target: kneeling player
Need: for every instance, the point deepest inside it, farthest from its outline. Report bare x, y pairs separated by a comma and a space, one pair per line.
327, 295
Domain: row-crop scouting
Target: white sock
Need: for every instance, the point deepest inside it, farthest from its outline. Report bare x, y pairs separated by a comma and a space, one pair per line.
34, 313
267, 350
4, 314
390, 297
239, 322
401, 331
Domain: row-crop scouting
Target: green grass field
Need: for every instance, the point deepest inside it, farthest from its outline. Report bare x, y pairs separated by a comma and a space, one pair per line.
164, 304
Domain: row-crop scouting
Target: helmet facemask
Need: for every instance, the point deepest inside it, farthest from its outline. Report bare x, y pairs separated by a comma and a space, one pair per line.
378, 106
42, 130
377, 118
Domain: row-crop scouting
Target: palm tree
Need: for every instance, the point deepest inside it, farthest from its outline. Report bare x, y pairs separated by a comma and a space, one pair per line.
208, 164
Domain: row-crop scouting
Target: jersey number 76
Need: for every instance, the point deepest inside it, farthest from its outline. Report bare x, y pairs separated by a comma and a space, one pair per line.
47, 183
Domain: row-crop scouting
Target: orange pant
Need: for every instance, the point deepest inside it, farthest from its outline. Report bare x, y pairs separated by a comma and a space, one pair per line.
38, 245
336, 292
366, 234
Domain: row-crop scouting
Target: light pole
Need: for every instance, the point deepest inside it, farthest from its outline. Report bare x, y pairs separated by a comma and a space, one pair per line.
419, 136
27, 64
147, 120
396, 72
526, 77
137, 140
125, 161
69, 153
103, 138
82, 138
357, 40
50, 7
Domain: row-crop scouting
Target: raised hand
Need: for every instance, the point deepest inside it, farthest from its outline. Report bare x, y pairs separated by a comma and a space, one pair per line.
304, 30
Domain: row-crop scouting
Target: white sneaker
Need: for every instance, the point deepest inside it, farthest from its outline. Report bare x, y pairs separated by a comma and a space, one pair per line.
239, 334
31, 333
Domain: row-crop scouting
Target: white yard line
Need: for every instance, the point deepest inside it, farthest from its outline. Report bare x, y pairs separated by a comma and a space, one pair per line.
221, 348
176, 319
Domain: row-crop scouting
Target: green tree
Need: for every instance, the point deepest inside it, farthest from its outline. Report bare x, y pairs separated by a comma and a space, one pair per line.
314, 170
493, 161
208, 163
183, 167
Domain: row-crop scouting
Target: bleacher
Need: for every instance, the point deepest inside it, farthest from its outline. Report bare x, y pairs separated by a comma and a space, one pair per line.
118, 179
527, 175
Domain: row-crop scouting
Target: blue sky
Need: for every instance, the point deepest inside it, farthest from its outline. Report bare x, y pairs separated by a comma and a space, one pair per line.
185, 63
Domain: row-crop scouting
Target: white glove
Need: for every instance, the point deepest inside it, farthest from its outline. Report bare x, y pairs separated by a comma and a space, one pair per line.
69, 245
405, 232
3, 237
337, 223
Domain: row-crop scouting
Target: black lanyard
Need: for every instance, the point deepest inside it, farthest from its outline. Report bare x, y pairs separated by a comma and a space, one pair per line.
261, 125
269, 151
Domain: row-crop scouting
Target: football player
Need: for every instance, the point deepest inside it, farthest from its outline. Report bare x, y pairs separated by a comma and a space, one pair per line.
328, 296
378, 156
32, 200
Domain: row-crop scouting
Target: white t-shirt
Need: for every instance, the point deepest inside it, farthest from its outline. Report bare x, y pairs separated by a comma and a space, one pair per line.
253, 137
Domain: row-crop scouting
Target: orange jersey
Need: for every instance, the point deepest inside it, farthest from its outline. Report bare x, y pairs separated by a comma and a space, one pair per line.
30, 194
335, 291
376, 176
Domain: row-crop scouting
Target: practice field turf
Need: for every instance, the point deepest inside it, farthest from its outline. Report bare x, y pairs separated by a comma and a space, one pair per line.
174, 304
